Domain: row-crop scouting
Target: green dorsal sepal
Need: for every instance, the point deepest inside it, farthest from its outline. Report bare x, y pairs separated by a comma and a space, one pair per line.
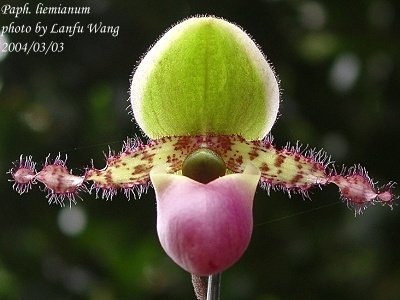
205, 76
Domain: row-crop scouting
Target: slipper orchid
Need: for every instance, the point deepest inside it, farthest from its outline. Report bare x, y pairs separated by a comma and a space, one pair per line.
207, 98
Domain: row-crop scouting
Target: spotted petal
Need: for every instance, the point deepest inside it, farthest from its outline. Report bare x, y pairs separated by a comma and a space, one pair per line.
290, 169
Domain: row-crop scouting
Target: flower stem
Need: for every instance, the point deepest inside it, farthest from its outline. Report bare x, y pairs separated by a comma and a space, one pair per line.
214, 287
200, 286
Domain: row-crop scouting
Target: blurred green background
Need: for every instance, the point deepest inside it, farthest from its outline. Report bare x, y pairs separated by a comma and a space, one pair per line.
338, 62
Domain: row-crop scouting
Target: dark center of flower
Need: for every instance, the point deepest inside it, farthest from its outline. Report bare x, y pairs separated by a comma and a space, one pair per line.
203, 165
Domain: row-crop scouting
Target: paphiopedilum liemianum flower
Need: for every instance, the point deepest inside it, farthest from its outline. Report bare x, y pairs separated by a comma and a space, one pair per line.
207, 98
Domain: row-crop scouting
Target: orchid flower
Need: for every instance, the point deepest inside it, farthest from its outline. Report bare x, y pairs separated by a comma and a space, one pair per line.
207, 98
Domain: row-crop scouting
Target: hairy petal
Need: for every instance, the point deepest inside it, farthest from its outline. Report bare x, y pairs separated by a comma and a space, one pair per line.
59, 183
130, 169
289, 169
358, 190
23, 174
